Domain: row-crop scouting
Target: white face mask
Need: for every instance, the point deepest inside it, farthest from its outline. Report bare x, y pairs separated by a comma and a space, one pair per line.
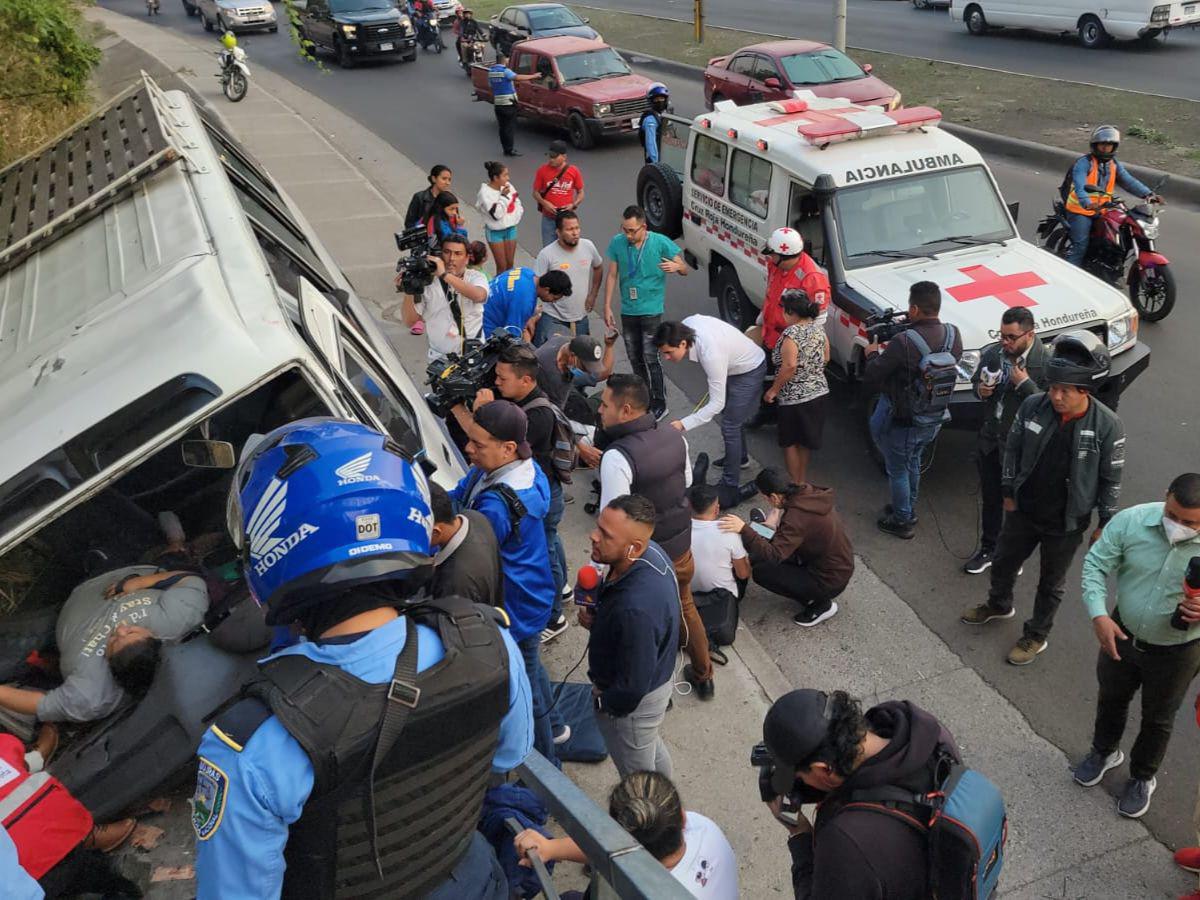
1177, 533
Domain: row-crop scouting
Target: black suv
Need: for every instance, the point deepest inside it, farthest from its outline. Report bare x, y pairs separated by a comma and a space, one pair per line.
357, 29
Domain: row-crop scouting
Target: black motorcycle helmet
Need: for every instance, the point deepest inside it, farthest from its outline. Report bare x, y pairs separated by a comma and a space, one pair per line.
1079, 358
1105, 134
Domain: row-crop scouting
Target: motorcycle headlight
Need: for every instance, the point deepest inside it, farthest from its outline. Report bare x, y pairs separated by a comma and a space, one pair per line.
1150, 227
350, 30
602, 109
967, 365
1122, 330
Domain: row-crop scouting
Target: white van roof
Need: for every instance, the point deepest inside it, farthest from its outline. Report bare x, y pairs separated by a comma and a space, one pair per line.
812, 136
111, 283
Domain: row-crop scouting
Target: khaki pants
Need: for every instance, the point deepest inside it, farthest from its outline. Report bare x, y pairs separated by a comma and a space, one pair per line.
692, 636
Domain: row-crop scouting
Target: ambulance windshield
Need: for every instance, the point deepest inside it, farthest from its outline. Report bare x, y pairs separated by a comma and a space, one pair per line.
919, 215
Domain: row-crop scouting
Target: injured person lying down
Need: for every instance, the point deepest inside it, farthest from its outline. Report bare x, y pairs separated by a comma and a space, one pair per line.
109, 636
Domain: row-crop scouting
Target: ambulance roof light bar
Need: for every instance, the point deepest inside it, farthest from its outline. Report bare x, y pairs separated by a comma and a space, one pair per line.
833, 129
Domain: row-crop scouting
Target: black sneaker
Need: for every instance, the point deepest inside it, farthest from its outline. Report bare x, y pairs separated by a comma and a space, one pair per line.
887, 511
554, 628
807, 618
705, 690
659, 412
721, 462
893, 526
979, 563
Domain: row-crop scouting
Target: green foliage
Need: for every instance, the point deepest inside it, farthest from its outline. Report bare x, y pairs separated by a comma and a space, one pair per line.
305, 47
1149, 135
43, 50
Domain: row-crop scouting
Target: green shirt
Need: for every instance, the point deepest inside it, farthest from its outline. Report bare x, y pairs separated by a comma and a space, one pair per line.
1149, 572
639, 272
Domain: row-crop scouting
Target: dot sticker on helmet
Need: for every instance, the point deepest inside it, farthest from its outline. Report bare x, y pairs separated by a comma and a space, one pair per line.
366, 528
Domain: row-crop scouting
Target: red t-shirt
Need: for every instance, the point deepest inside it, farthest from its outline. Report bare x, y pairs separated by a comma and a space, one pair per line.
808, 277
564, 188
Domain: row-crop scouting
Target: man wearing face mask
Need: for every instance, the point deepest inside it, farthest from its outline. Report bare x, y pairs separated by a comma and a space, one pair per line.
634, 636
1150, 641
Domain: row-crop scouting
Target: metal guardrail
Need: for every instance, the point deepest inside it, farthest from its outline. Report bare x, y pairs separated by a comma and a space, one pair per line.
624, 867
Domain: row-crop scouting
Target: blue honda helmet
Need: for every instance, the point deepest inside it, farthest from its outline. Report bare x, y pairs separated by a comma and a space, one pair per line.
320, 505
658, 89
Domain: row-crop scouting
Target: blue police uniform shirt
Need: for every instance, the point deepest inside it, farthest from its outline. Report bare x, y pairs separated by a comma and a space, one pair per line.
501, 80
15, 882
511, 301
246, 798
649, 126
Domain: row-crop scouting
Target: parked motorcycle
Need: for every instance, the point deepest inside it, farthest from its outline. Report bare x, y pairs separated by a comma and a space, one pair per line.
471, 53
235, 74
429, 35
1121, 248
152, 7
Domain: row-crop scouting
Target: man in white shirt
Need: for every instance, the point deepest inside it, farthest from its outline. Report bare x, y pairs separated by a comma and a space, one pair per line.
721, 559
452, 305
734, 367
578, 257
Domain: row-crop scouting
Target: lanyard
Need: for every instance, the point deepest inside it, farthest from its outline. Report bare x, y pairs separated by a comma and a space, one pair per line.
635, 265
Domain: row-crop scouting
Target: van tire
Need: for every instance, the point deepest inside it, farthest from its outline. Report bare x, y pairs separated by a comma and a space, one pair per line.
975, 21
660, 194
1091, 33
580, 135
732, 303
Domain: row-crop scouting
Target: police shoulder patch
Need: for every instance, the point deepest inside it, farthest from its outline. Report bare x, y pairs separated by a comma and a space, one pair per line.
208, 802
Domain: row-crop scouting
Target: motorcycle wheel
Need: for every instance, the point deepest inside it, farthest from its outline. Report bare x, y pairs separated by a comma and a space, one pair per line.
1153, 298
235, 86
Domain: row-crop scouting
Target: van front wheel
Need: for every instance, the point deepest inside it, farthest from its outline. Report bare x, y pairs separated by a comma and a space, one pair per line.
1091, 33
976, 23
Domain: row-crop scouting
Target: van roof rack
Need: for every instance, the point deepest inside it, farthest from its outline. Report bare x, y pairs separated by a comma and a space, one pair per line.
87, 169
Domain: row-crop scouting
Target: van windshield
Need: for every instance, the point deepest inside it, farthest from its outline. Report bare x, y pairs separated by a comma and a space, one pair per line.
919, 215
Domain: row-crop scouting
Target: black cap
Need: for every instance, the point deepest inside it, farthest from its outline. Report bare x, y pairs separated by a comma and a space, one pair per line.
794, 727
505, 421
556, 148
590, 353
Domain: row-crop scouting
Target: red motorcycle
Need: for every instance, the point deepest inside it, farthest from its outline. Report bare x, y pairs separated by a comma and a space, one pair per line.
1121, 248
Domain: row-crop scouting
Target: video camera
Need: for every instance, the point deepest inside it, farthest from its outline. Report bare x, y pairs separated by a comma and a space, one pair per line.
760, 758
885, 326
417, 270
456, 378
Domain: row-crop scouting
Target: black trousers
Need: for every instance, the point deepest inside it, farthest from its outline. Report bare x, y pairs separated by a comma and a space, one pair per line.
991, 516
1019, 537
789, 579
1163, 675
506, 120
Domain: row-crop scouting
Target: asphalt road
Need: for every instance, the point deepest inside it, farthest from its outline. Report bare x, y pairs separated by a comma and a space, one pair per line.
1168, 66
424, 109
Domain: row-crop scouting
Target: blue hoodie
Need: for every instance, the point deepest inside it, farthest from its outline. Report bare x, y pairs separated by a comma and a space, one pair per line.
511, 301
524, 559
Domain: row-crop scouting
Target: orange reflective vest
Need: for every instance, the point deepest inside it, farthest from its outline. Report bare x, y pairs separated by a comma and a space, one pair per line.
1093, 178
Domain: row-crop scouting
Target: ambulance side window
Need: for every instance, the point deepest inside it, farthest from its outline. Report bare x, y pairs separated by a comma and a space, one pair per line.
708, 165
750, 183
804, 214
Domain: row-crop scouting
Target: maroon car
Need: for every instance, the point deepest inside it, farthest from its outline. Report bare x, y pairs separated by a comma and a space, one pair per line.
771, 71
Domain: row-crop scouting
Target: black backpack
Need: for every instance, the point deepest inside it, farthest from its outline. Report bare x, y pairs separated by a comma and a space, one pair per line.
565, 453
937, 373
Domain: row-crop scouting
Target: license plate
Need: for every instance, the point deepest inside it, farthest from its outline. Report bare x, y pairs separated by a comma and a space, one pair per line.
633, 123
387, 46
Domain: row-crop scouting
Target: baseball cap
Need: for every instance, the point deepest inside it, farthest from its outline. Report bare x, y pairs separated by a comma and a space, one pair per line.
556, 148
505, 421
590, 353
794, 727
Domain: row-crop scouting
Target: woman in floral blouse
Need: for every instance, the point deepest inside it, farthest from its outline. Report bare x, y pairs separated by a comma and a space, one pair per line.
800, 388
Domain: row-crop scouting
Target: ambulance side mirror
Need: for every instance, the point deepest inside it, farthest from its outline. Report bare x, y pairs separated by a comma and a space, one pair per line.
1014, 209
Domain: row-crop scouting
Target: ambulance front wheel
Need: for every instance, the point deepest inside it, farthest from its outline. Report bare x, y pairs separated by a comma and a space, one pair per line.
732, 303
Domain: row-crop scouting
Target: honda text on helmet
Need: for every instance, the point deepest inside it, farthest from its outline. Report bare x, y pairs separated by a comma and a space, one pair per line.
1079, 358
321, 505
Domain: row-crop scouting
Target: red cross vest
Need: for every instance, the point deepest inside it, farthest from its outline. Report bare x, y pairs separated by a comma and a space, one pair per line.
808, 277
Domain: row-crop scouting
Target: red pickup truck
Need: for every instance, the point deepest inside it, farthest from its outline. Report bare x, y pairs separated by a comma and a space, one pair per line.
587, 87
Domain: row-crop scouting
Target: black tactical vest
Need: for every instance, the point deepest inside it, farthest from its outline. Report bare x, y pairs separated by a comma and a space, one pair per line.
427, 789
656, 457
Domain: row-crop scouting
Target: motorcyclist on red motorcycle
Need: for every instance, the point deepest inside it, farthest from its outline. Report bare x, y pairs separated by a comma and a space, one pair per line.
1101, 169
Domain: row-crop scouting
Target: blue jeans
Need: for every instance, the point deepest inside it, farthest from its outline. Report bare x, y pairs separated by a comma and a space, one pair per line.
558, 560
902, 447
1081, 231
742, 395
478, 874
549, 231
544, 720
548, 326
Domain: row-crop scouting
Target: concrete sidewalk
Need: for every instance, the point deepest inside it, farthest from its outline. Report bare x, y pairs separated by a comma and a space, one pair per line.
1065, 842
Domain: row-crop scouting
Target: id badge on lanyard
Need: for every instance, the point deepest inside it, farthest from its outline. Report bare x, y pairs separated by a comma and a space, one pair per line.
635, 266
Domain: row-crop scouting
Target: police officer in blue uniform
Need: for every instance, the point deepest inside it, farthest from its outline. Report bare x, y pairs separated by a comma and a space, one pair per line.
357, 762
658, 100
503, 82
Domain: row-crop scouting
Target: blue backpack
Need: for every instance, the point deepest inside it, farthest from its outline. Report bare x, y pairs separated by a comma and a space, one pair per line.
965, 823
937, 373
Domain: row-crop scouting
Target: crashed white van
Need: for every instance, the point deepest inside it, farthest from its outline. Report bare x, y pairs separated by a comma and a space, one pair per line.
160, 301
883, 200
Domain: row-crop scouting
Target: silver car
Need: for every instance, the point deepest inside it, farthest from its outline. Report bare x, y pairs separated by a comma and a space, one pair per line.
237, 15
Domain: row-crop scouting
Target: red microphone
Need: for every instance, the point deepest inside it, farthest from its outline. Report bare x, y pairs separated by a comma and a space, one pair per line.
587, 587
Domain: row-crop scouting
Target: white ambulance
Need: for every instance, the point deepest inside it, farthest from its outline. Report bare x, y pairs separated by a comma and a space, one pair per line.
883, 200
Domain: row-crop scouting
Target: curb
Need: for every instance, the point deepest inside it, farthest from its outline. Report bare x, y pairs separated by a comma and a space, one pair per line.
1180, 187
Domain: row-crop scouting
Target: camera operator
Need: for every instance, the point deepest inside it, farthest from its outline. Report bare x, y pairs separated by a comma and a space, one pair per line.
904, 423
451, 305
822, 748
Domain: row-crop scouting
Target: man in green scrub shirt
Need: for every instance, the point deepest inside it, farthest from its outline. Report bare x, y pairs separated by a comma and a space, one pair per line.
639, 261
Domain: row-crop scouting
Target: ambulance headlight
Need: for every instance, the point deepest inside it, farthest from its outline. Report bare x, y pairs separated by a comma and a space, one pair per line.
967, 365
1122, 330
